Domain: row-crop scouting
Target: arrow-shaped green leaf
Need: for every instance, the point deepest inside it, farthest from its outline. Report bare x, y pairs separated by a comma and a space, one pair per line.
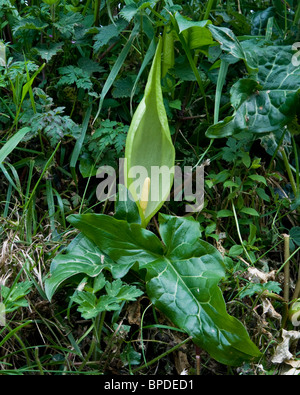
182, 278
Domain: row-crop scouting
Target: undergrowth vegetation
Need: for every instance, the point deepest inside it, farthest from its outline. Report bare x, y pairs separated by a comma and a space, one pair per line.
97, 286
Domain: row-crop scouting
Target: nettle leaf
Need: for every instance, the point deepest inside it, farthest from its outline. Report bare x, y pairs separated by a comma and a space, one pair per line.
29, 23
107, 33
268, 100
47, 53
67, 23
182, 278
74, 75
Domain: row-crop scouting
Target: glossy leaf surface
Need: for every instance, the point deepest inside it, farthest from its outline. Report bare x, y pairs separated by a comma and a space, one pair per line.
268, 99
182, 278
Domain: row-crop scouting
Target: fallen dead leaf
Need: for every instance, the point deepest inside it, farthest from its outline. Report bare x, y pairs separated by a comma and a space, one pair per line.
257, 276
282, 352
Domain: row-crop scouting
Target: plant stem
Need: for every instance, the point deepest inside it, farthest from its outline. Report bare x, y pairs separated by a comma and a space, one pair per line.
286, 285
198, 360
290, 257
297, 288
97, 12
286, 290
162, 355
239, 233
209, 7
98, 332
277, 149
192, 64
38, 362
297, 16
289, 171
220, 84
297, 165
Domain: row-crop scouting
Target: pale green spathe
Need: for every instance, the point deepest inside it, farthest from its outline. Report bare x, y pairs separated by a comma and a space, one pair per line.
149, 144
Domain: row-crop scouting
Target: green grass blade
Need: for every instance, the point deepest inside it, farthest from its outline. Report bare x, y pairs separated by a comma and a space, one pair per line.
220, 84
116, 68
11, 144
51, 206
79, 142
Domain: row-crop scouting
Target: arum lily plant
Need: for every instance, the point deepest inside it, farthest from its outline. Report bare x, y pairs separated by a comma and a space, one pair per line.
182, 271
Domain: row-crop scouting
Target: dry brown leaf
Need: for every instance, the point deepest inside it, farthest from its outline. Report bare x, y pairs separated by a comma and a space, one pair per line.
181, 362
282, 352
134, 313
269, 310
257, 276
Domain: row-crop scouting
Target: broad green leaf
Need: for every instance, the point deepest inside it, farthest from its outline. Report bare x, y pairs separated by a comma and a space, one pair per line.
123, 242
51, 2
80, 257
258, 178
236, 250
196, 33
149, 148
224, 213
182, 278
295, 235
267, 101
168, 59
260, 20
230, 44
126, 208
249, 211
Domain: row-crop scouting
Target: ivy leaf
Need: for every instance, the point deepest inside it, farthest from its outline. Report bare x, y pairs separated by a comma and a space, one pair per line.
89, 66
87, 304
132, 9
